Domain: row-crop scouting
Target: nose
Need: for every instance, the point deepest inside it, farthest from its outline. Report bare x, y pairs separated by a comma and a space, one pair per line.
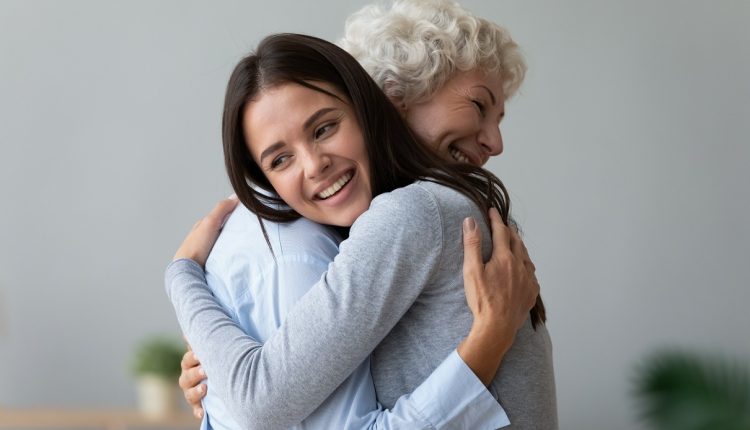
491, 140
315, 163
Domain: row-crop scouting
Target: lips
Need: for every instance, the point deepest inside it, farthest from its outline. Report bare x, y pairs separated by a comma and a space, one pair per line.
336, 186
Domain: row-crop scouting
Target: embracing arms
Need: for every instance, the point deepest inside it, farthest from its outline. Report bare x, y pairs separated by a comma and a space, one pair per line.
334, 328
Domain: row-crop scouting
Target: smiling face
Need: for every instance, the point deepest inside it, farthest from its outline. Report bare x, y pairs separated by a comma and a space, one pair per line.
461, 120
310, 147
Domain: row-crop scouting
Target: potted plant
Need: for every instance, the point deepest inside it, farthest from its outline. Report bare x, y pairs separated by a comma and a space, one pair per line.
156, 366
680, 390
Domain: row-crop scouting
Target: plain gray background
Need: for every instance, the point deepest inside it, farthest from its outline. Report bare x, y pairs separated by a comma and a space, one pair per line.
626, 154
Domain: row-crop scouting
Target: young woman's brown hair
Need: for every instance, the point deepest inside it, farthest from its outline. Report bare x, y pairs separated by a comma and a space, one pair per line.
396, 157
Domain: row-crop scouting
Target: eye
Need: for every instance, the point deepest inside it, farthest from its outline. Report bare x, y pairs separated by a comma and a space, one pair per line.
278, 161
324, 130
479, 105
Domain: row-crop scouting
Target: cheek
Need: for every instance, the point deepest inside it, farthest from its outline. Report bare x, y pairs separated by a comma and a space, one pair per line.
429, 136
419, 122
286, 189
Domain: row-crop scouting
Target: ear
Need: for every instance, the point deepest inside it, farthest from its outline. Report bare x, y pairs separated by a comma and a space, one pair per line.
390, 90
398, 102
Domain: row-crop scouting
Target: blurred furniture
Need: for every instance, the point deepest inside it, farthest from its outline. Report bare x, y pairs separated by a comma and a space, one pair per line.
48, 419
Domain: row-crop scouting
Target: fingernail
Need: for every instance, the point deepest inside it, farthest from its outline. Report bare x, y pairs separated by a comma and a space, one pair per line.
233, 197
469, 225
201, 372
200, 389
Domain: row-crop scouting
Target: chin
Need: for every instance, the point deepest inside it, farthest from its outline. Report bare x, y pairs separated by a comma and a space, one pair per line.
349, 219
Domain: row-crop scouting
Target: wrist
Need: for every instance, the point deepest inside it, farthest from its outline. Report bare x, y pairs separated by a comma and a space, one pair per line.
495, 337
483, 351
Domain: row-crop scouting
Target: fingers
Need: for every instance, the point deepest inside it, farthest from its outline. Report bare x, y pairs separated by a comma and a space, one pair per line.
522, 254
202, 237
191, 377
473, 262
193, 397
195, 394
189, 360
220, 212
519, 250
500, 234
198, 412
192, 373
189, 381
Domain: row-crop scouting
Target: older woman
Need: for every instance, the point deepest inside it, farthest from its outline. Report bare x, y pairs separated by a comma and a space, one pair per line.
449, 79
448, 71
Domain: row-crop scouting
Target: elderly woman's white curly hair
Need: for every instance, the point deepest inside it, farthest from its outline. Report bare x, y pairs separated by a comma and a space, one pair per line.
414, 47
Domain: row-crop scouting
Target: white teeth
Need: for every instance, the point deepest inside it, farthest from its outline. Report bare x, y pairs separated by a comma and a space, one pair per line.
459, 156
333, 189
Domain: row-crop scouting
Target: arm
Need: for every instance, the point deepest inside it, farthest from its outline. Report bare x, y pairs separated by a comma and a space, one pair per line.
431, 405
297, 266
331, 330
499, 308
383, 420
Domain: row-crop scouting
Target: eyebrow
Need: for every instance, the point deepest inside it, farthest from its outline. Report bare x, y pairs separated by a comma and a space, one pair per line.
270, 150
492, 95
308, 123
314, 117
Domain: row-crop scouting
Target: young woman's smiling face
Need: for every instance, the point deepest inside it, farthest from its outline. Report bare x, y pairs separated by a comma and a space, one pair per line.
461, 120
310, 147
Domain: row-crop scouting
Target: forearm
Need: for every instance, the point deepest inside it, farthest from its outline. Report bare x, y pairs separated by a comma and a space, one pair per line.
252, 386
484, 348
330, 330
279, 383
451, 397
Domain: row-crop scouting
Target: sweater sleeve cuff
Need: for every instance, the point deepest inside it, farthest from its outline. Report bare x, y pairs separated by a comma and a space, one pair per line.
464, 402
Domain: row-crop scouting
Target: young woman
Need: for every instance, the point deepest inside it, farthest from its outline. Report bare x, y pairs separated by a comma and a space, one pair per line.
406, 292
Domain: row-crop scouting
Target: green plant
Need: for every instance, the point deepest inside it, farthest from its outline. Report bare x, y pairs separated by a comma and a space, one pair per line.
685, 391
158, 356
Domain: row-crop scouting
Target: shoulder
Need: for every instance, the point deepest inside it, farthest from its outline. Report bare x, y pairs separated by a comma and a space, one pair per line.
303, 237
453, 205
411, 199
424, 201
408, 214
242, 239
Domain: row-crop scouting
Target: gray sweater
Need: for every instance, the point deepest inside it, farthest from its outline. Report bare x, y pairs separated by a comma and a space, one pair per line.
395, 290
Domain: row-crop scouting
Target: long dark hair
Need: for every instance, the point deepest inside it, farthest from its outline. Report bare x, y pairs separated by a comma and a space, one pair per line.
393, 151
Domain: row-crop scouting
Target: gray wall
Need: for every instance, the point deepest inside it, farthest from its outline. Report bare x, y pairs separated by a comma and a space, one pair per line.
626, 156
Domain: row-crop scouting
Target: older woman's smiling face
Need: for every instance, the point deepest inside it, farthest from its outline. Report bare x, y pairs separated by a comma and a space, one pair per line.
461, 120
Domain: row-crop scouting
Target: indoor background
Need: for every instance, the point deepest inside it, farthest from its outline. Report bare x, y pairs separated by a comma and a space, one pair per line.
626, 154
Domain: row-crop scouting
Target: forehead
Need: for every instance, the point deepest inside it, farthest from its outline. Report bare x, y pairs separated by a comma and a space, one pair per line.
475, 79
279, 112
295, 98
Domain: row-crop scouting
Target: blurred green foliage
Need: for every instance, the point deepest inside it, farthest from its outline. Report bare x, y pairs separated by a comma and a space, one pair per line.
159, 356
678, 390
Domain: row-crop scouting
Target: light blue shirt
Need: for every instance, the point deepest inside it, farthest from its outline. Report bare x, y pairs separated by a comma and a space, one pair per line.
257, 289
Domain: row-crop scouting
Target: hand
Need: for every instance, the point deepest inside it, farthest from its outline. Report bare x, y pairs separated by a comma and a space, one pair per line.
198, 243
499, 293
190, 382
502, 291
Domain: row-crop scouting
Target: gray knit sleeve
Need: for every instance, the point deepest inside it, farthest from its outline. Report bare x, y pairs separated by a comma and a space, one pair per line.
391, 254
